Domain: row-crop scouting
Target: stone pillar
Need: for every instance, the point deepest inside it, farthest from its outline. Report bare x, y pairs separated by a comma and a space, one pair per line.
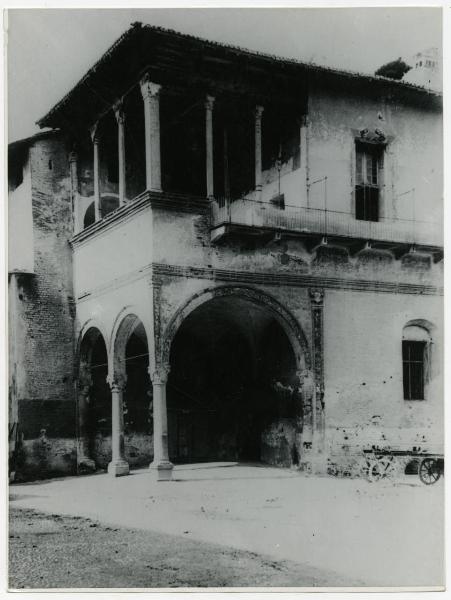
118, 465
120, 118
96, 141
73, 167
209, 145
258, 150
151, 95
84, 463
161, 462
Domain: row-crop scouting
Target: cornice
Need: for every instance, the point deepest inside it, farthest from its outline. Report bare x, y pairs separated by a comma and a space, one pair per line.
157, 271
289, 280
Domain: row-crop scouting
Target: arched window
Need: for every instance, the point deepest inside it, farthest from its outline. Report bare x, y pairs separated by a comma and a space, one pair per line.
89, 218
416, 350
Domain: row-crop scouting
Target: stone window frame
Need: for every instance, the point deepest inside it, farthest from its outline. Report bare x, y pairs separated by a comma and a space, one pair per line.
417, 332
364, 149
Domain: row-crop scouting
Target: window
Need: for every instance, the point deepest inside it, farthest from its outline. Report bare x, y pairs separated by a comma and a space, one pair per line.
416, 346
368, 174
413, 369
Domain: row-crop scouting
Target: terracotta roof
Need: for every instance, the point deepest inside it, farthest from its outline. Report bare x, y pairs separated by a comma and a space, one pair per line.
138, 32
28, 141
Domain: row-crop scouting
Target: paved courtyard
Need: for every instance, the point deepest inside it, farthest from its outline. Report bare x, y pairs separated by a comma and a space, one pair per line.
376, 534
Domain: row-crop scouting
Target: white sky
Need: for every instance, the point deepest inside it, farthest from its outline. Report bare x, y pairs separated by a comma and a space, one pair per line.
50, 50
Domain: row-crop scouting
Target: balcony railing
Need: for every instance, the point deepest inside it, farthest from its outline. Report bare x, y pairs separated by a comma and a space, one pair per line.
316, 221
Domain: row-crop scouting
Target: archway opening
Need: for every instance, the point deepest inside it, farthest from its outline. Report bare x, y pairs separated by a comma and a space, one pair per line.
138, 426
94, 369
231, 386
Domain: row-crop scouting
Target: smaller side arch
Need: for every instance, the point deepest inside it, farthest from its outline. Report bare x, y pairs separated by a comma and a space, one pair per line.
91, 323
124, 325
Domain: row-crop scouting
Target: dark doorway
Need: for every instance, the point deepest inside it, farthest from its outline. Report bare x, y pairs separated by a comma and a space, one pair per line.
222, 399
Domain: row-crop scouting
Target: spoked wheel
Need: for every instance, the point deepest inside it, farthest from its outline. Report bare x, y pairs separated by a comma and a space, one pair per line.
429, 471
375, 472
379, 469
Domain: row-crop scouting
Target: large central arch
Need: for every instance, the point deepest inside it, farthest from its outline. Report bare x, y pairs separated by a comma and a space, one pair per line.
281, 314
234, 354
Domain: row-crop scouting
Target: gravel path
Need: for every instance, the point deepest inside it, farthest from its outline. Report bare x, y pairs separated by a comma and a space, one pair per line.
54, 551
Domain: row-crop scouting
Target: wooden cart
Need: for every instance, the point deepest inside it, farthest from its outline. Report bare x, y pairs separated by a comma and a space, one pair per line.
379, 464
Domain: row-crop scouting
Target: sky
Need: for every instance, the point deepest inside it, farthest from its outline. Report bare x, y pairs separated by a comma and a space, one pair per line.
49, 50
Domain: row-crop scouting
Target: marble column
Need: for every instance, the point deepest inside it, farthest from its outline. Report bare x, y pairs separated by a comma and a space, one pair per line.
209, 145
151, 95
161, 463
118, 465
120, 118
258, 150
96, 142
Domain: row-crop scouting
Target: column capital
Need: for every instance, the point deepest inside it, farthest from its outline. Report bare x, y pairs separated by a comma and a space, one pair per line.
95, 133
209, 102
160, 374
258, 112
316, 296
149, 89
119, 113
73, 156
116, 382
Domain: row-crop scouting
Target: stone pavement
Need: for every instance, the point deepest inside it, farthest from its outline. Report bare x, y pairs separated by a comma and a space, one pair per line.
388, 533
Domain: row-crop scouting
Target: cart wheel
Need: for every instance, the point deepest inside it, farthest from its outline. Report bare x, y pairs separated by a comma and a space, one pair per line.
375, 471
429, 471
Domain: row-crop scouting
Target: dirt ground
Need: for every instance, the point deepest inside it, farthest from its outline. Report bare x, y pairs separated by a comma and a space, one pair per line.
321, 530
54, 551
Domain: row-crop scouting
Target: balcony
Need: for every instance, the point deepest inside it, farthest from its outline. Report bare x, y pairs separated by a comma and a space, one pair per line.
253, 218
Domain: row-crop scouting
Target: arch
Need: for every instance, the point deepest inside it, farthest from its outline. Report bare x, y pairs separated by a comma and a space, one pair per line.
89, 216
93, 400
109, 202
289, 324
125, 324
422, 323
90, 324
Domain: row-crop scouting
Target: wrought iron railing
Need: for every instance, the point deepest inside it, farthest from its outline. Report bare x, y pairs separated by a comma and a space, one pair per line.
252, 213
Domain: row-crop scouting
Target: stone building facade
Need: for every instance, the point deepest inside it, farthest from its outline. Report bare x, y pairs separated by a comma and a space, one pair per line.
228, 256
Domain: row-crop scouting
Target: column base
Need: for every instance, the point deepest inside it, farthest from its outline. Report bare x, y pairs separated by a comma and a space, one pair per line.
85, 465
162, 469
314, 464
118, 468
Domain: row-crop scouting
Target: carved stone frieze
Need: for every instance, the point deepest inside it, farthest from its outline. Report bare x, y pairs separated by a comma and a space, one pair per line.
317, 306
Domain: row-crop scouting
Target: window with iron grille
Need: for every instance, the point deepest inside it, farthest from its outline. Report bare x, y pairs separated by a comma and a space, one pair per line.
367, 190
413, 363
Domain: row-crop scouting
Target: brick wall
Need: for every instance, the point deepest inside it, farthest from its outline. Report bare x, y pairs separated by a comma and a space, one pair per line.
45, 342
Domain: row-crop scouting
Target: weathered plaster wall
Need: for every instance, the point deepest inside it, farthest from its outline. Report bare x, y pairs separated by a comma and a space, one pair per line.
413, 158
364, 398
118, 251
